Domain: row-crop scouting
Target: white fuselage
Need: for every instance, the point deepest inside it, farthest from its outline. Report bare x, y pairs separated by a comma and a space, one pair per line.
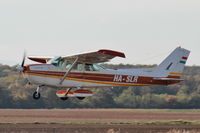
49, 75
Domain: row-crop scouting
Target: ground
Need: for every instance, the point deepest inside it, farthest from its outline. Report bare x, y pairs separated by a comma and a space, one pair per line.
99, 120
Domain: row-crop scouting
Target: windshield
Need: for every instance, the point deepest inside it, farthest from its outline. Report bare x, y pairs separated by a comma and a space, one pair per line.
57, 61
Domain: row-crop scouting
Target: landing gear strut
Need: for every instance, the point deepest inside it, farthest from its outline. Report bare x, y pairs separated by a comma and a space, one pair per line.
36, 94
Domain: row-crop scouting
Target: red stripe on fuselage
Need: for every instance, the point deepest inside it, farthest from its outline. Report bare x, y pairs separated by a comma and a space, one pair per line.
177, 77
102, 77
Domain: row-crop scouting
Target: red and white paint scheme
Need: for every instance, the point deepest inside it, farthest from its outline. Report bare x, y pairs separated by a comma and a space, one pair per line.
82, 71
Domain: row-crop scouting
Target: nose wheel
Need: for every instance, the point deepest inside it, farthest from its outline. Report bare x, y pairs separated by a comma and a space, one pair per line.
36, 94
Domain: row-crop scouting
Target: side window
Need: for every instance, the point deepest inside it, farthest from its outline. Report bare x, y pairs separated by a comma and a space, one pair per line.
93, 67
89, 67
97, 67
79, 67
68, 65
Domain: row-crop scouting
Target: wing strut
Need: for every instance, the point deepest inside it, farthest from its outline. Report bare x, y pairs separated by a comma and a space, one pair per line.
68, 71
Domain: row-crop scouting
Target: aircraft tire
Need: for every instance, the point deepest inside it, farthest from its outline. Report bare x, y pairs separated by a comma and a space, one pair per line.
36, 95
81, 98
64, 98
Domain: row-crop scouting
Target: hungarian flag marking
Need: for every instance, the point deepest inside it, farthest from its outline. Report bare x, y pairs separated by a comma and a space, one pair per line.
183, 60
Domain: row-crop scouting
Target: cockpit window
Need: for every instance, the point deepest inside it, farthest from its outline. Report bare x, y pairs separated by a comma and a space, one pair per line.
59, 62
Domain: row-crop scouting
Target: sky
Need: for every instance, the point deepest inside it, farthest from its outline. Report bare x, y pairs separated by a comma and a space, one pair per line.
145, 30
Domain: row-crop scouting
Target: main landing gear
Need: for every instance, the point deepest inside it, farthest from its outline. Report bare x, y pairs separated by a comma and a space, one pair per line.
80, 94
36, 94
65, 96
81, 98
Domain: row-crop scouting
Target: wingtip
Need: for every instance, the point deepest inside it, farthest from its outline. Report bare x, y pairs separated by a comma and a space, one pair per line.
113, 53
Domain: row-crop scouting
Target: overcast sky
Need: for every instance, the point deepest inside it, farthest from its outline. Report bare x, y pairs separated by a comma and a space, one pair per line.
145, 30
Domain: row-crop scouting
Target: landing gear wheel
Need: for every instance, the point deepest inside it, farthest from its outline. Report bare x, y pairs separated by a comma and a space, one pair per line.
36, 95
81, 98
64, 98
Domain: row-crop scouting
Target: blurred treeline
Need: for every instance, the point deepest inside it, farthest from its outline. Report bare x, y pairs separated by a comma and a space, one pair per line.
16, 93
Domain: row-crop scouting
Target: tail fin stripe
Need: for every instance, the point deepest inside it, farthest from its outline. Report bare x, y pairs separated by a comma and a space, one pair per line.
184, 58
183, 62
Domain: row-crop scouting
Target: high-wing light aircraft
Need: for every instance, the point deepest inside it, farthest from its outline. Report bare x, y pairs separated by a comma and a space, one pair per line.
82, 71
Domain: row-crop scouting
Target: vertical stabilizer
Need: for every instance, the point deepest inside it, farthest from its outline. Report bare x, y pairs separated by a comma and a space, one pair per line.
174, 64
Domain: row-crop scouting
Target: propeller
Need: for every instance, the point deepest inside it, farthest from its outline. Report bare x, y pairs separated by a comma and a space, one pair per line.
21, 67
24, 58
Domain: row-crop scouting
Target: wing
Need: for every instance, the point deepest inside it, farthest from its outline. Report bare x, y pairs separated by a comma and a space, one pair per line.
100, 56
40, 59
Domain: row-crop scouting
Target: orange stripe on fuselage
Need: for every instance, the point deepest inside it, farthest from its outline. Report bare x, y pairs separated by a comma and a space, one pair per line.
177, 74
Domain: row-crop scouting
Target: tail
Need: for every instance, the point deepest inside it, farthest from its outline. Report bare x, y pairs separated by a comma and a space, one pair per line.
174, 64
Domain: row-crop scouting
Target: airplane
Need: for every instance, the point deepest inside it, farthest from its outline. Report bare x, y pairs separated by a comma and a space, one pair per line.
77, 72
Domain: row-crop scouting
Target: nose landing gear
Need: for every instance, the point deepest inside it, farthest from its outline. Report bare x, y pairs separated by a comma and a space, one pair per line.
36, 94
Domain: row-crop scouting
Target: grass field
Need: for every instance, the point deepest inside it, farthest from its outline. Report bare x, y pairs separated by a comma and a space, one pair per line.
100, 120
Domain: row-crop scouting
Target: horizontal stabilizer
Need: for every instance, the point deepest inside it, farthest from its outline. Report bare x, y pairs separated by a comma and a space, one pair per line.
168, 79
